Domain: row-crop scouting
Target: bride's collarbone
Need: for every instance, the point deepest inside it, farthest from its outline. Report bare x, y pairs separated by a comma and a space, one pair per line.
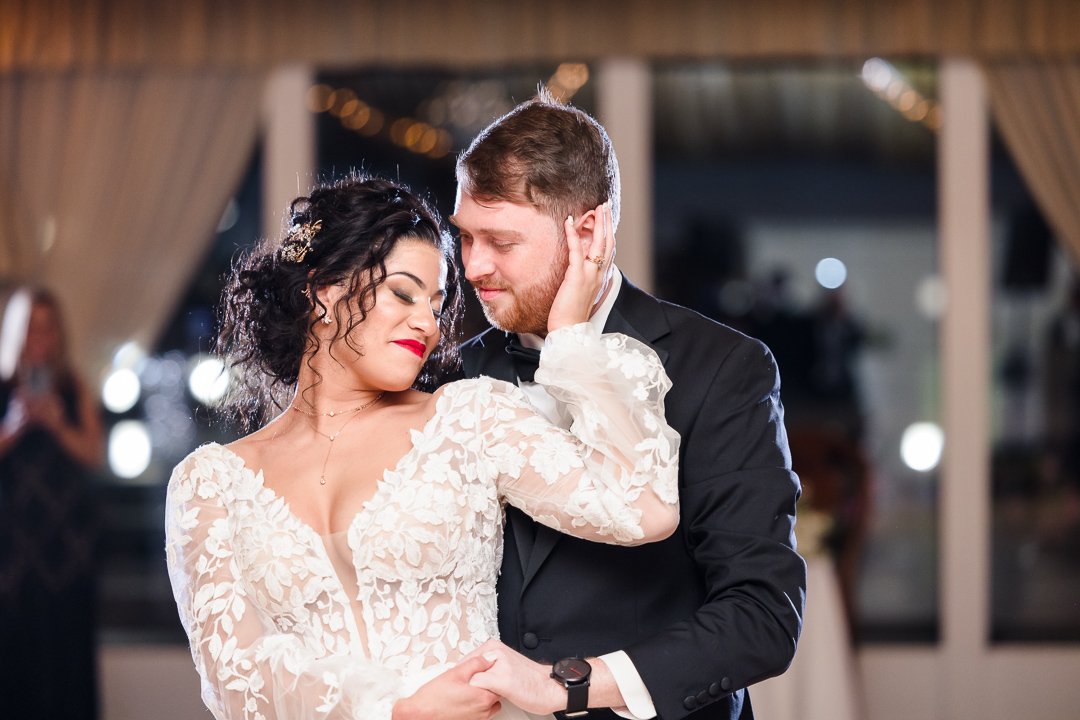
326, 483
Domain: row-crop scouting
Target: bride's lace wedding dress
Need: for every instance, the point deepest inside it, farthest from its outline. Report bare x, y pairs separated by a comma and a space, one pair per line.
288, 624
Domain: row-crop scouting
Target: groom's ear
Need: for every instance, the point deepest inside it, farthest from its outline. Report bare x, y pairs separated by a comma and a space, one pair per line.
586, 224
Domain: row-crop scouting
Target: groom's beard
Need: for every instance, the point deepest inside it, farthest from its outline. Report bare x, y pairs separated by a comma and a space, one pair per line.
528, 309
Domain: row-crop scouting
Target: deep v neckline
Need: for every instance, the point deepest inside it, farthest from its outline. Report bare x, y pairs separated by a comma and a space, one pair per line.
415, 435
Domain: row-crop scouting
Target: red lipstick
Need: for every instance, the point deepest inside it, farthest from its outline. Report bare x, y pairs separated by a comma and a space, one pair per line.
414, 346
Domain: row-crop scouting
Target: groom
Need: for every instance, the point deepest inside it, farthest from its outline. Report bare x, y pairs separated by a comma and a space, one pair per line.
675, 629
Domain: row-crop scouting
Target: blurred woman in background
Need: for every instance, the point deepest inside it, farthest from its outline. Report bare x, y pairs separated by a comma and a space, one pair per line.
50, 441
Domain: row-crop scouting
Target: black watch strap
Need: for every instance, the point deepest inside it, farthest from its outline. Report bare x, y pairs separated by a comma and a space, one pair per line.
574, 675
577, 699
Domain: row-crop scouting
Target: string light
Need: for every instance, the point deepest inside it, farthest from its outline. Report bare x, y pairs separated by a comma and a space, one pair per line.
320, 98
361, 117
460, 107
344, 102
398, 129
374, 125
891, 86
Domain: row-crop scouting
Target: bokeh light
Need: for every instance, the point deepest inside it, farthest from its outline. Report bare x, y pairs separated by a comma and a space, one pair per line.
208, 380
121, 390
129, 449
830, 273
921, 445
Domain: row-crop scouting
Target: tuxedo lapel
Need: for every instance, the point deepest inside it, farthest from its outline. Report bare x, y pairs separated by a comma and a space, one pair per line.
542, 545
524, 536
640, 316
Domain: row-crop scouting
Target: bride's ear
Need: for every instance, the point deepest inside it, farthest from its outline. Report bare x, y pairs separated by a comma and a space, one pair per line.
326, 296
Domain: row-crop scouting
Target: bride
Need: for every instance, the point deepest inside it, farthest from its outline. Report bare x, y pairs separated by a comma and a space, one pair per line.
340, 561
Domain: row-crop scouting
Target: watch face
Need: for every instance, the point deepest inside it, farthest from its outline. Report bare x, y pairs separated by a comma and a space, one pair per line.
571, 670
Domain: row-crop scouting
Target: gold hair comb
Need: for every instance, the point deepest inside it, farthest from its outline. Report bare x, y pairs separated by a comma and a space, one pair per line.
297, 243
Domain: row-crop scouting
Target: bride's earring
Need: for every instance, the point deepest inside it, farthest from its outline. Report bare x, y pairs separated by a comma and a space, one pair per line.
326, 319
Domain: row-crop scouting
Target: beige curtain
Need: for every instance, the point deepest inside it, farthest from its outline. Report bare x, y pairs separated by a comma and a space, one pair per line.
112, 185
1037, 109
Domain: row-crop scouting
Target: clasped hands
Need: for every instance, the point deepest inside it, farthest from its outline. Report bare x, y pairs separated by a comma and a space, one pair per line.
474, 688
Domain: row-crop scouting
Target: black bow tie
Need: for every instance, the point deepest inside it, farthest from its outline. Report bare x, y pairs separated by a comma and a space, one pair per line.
526, 359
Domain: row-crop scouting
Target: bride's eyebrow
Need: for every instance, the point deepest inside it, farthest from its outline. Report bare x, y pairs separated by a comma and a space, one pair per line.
409, 275
416, 280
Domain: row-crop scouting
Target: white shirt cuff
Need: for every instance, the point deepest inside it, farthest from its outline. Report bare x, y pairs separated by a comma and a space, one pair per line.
639, 704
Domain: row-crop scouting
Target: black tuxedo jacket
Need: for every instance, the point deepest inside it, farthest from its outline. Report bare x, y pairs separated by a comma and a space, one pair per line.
718, 605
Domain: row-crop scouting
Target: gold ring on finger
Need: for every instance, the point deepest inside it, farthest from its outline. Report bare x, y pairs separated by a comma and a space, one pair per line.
599, 260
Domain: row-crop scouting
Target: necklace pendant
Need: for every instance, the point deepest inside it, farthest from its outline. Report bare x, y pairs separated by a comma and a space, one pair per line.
331, 413
322, 480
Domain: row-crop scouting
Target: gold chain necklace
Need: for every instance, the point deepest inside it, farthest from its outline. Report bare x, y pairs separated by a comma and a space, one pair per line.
334, 413
334, 436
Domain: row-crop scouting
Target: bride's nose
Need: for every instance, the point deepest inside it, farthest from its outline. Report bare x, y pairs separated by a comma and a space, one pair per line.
423, 319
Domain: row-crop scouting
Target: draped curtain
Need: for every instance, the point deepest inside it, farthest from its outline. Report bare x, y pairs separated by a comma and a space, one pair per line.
112, 184
1037, 109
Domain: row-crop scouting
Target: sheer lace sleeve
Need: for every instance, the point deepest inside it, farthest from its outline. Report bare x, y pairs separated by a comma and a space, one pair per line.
253, 666
614, 476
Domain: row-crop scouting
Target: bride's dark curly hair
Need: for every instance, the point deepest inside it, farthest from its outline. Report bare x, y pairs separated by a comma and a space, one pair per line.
266, 317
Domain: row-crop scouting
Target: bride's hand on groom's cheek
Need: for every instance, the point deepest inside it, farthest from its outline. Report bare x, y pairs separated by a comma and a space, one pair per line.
516, 678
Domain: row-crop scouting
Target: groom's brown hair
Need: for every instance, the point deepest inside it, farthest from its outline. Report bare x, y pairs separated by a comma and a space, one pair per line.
546, 153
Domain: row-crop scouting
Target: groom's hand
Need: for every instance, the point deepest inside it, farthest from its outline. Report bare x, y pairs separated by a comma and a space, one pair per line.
516, 678
450, 696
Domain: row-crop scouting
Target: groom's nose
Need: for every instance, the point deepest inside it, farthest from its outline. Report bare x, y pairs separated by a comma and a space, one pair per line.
478, 262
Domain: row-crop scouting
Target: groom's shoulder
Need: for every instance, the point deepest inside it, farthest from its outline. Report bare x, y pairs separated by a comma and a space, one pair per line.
682, 322
685, 320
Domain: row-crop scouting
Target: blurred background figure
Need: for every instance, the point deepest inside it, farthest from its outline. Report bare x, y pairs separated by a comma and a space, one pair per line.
50, 443
838, 339
820, 347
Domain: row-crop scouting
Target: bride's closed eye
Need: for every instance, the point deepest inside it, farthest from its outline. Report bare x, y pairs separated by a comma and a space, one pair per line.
404, 297
436, 309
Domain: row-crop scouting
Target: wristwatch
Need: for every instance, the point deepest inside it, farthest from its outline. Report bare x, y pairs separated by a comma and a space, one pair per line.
574, 674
